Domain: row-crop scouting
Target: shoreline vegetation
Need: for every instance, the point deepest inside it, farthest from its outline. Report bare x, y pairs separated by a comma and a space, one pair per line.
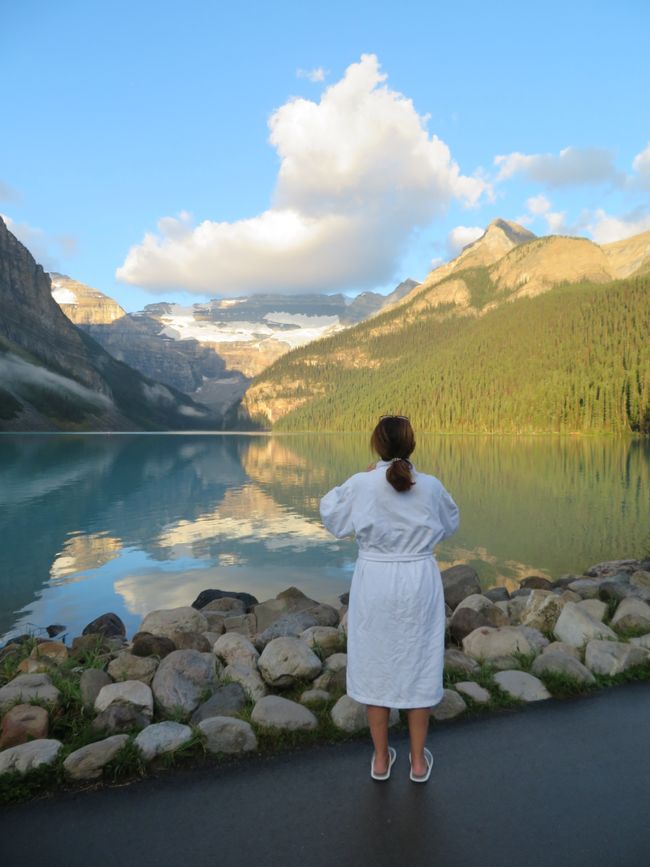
228, 677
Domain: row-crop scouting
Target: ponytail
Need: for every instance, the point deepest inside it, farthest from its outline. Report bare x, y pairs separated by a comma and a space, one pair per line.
393, 440
398, 474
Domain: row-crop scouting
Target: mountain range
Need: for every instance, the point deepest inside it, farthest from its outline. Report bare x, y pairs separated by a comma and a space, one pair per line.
517, 334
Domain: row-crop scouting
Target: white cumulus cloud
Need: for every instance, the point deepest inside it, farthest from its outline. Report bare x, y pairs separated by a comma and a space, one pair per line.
540, 207
315, 75
572, 166
461, 236
605, 228
358, 173
641, 165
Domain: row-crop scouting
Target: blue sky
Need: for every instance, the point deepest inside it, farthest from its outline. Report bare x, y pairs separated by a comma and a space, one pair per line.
119, 115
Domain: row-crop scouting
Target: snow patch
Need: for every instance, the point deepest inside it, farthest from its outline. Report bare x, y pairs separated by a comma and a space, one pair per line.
61, 293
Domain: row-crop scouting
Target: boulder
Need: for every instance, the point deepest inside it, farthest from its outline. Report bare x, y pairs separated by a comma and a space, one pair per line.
312, 696
465, 620
456, 660
227, 700
336, 662
542, 610
163, 737
55, 629
235, 648
450, 706
86, 647
207, 596
226, 734
558, 662
166, 622
108, 625
351, 716
473, 690
325, 615
640, 578
535, 638
521, 591
325, 638
131, 692
244, 624
632, 613
496, 645
216, 621
459, 582
521, 685
26, 688
90, 683
642, 641
587, 588
595, 607
288, 625
128, 666
334, 681
274, 712
248, 677
33, 754
24, 722
613, 657
562, 647
288, 602
54, 650
286, 660
613, 567
146, 644
191, 641
576, 626
119, 718
497, 594
615, 591
88, 762
226, 605
182, 679
536, 582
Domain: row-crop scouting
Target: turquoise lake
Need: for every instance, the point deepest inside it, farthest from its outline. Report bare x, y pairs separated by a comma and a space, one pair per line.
128, 523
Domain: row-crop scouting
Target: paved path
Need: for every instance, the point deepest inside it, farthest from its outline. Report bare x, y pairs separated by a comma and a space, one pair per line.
559, 784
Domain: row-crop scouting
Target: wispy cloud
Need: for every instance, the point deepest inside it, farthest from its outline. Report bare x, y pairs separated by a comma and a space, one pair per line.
572, 166
315, 75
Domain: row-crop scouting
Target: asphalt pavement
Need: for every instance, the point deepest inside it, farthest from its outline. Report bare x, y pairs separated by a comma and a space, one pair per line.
557, 784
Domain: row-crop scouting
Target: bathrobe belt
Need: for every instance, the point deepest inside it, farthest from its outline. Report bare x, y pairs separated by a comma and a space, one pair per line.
394, 556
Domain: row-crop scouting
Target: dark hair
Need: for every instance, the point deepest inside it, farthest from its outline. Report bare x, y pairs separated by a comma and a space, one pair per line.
393, 440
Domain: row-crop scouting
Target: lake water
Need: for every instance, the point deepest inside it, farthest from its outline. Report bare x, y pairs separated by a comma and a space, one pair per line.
133, 522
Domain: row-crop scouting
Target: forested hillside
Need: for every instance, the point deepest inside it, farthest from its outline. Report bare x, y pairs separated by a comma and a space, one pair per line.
574, 359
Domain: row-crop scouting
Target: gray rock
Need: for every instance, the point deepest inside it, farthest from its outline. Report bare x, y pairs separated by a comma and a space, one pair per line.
119, 718
90, 683
325, 615
535, 638
334, 681
562, 663
521, 591
146, 644
226, 734
237, 649
166, 622
521, 685
456, 660
465, 620
536, 582
244, 624
613, 567
351, 716
207, 596
109, 625
225, 605
632, 614
562, 647
451, 705
287, 602
33, 754
131, 692
227, 700
640, 578
325, 638
191, 641
26, 688
216, 621
247, 677
615, 591
497, 594
274, 712
613, 657
496, 644
181, 680
289, 624
312, 696
641, 641
576, 626
587, 588
128, 666
286, 660
595, 607
336, 662
163, 737
473, 690
459, 582
88, 762
542, 610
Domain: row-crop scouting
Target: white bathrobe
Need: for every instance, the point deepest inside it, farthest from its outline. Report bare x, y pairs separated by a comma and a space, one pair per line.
396, 613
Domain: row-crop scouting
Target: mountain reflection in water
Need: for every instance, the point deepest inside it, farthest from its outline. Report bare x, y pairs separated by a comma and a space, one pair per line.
130, 523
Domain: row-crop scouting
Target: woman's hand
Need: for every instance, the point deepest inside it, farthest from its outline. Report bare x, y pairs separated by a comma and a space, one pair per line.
370, 467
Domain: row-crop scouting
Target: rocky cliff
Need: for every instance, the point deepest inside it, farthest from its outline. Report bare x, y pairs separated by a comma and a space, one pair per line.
55, 377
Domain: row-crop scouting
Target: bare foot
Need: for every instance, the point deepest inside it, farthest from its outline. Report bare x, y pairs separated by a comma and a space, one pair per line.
419, 766
380, 763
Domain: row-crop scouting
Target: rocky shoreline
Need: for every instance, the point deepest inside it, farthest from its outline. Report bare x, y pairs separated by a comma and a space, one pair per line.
229, 675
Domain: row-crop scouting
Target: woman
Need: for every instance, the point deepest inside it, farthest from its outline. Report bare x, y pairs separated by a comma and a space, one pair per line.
396, 613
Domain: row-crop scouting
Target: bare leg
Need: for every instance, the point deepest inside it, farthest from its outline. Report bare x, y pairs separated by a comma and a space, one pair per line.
418, 726
378, 722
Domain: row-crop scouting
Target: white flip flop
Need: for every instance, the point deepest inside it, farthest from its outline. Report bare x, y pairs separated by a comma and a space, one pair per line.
392, 755
428, 758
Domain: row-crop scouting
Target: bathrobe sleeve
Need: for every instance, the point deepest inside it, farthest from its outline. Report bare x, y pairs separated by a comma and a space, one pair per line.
448, 513
336, 510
